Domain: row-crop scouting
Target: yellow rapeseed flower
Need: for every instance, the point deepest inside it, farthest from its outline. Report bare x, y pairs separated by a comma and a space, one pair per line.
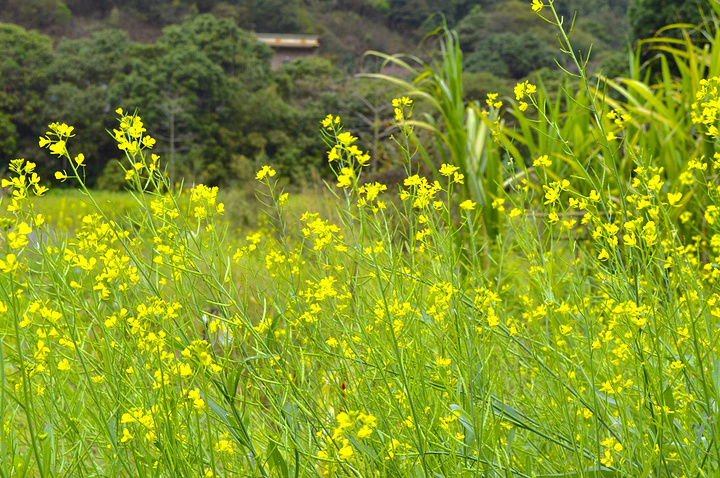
224, 446
346, 138
674, 198
492, 100
448, 169
346, 452
265, 171
542, 161
126, 436
468, 205
58, 148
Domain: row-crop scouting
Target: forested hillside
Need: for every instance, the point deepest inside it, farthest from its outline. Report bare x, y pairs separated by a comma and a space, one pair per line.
345, 26
206, 88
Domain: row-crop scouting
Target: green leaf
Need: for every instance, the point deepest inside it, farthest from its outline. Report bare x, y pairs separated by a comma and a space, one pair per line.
225, 417
716, 375
276, 460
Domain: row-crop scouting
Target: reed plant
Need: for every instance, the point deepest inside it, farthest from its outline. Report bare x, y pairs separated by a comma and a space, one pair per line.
462, 138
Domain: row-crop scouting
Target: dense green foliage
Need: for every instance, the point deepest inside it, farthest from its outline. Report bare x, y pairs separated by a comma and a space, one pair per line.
23, 80
646, 17
205, 84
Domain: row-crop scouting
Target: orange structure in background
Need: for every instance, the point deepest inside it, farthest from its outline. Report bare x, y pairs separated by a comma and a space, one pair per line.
289, 47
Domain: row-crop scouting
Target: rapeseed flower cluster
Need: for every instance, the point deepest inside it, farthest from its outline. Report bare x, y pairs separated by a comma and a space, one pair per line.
522, 91
619, 119
23, 184
399, 105
706, 105
344, 151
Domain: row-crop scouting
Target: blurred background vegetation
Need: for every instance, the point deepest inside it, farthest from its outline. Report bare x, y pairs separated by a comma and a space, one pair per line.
205, 89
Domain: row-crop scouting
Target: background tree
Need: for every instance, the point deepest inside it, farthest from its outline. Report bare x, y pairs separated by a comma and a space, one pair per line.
82, 73
24, 77
645, 17
52, 16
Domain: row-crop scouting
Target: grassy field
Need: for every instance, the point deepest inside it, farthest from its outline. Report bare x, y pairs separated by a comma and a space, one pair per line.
564, 322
